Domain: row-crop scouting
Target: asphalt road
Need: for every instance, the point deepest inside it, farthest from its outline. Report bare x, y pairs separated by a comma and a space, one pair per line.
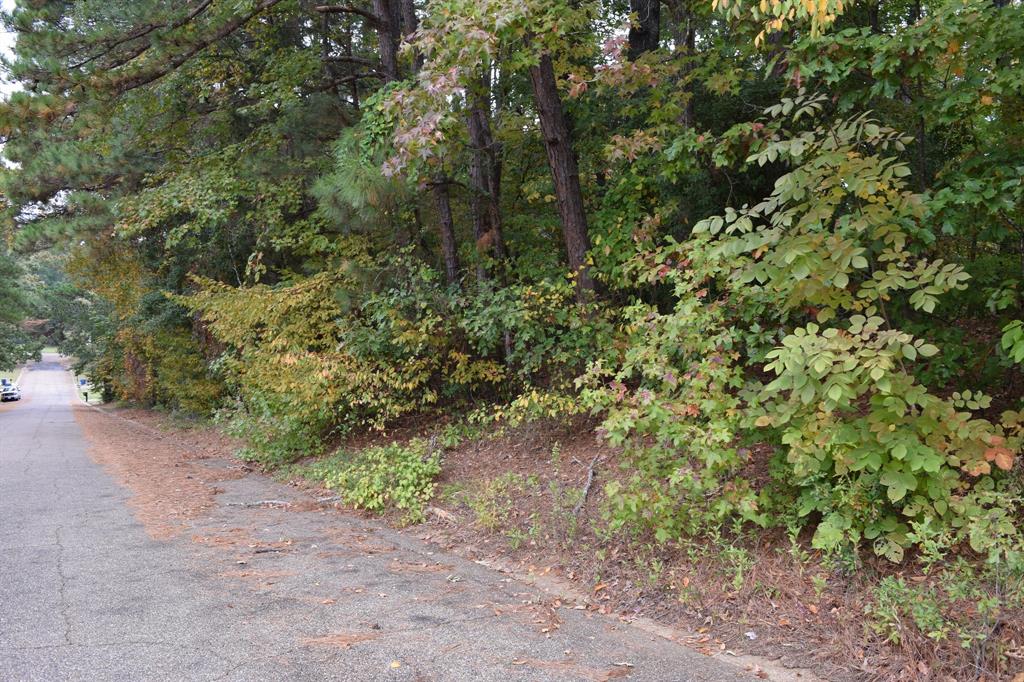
87, 594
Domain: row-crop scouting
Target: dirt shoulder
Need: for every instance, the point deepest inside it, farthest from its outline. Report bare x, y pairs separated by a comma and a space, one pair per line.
173, 473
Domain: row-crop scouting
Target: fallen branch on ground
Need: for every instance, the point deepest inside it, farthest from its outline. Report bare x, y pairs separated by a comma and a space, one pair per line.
586, 487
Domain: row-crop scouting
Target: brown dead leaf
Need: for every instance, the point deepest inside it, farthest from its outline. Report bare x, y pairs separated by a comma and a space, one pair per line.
576, 670
978, 468
409, 567
1001, 456
344, 640
257, 579
442, 514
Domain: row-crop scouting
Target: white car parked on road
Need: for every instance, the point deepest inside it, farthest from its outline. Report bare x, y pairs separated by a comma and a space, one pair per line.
10, 392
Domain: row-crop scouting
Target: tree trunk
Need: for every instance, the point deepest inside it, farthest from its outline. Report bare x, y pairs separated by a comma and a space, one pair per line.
446, 226
389, 35
494, 165
682, 23
645, 35
485, 178
404, 23
354, 84
410, 23
478, 196
564, 171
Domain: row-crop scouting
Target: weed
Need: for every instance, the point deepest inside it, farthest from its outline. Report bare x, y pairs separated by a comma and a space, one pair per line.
556, 453
655, 571
515, 538
493, 502
455, 434
737, 562
820, 584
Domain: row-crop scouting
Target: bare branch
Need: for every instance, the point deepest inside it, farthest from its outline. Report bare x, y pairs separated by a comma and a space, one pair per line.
349, 59
349, 9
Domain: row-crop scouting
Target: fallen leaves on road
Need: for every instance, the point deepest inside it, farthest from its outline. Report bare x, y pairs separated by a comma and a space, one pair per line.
577, 671
398, 566
168, 485
261, 578
228, 538
360, 542
537, 613
345, 640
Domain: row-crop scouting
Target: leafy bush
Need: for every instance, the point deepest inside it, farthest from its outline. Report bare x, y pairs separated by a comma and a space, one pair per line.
389, 477
671, 401
549, 337
1013, 341
866, 448
324, 354
273, 434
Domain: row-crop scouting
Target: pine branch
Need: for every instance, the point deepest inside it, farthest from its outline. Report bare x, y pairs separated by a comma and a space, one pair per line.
112, 44
140, 79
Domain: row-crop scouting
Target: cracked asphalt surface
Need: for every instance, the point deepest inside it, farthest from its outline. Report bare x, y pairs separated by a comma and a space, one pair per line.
263, 591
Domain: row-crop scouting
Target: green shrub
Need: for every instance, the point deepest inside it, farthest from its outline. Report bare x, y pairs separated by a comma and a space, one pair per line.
273, 434
326, 352
550, 338
389, 477
960, 604
864, 447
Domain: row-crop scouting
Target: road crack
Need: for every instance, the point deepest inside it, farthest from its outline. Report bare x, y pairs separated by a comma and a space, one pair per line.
63, 585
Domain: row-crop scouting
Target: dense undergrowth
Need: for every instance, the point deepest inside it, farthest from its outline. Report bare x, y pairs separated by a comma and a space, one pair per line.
774, 250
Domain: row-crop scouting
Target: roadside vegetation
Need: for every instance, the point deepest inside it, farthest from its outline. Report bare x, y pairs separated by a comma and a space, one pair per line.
16, 344
770, 256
